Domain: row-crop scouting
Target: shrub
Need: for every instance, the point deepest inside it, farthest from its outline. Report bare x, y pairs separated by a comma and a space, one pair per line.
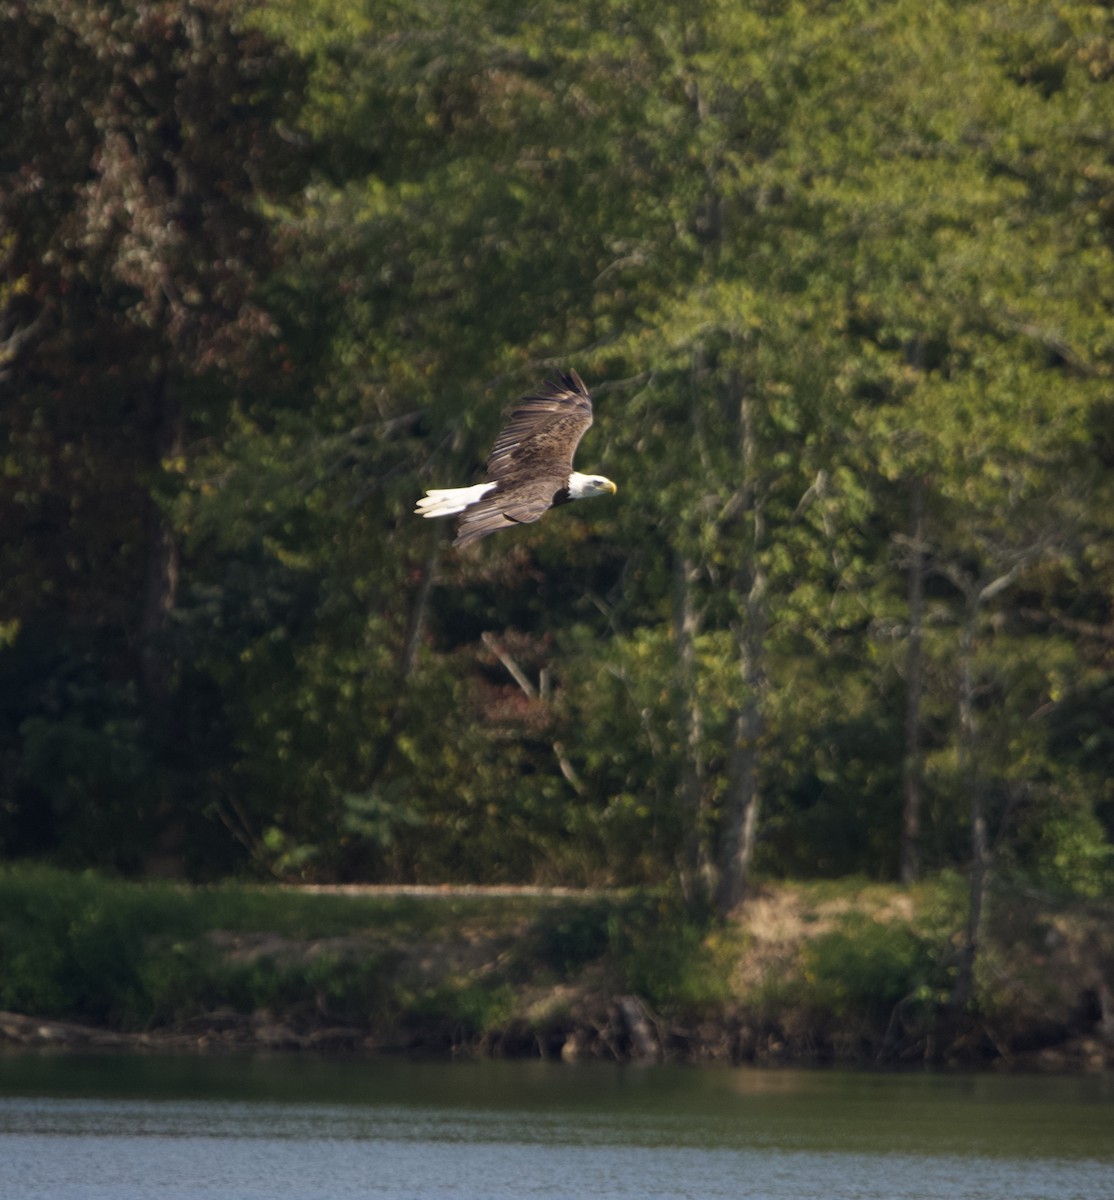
671, 960
867, 966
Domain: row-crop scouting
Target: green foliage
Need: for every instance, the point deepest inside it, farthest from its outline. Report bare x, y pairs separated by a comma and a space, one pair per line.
1061, 845
566, 941
650, 945
135, 956
72, 946
868, 966
272, 268
874, 973
139, 956
82, 758
679, 965
464, 1009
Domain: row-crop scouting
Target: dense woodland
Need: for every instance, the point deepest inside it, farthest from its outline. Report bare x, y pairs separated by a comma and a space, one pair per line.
841, 279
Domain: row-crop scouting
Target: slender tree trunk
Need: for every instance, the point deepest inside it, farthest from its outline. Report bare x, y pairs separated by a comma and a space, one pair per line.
695, 867
742, 801
971, 775
408, 653
161, 571
416, 623
156, 663
914, 759
964, 986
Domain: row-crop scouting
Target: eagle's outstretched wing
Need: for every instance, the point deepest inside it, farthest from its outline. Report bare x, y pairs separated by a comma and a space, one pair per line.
543, 431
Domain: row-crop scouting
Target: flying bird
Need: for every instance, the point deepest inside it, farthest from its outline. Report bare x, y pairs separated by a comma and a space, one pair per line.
530, 467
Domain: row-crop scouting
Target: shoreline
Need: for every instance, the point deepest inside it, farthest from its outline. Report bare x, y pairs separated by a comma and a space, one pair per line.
621, 1031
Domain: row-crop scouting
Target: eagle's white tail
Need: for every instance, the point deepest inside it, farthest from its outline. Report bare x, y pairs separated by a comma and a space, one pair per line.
447, 502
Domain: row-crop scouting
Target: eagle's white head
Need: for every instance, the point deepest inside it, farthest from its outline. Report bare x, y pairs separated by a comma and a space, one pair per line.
583, 487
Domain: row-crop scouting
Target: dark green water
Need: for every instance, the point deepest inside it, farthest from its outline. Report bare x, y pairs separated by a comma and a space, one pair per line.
267, 1128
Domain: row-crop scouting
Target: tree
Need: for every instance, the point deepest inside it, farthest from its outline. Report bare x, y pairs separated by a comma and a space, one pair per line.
131, 220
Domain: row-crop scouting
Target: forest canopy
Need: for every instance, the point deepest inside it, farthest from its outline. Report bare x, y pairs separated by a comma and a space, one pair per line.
841, 280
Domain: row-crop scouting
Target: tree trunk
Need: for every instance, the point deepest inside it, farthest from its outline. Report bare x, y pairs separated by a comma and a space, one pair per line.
914, 758
695, 867
161, 571
408, 653
742, 801
156, 663
741, 804
970, 775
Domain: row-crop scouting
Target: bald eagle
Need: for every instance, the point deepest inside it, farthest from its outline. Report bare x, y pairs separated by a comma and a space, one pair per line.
530, 467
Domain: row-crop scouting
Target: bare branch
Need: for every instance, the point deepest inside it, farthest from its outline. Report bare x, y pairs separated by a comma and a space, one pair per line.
996, 586
1053, 342
1088, 629
513, 669
12, 345
816, 490
567, 769
520, 677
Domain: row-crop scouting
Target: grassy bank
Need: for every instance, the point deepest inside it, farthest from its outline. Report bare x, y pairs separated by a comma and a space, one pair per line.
838, 971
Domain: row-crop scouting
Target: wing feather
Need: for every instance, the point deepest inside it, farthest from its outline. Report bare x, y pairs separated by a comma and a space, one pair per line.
478, 521
531, 459
515, 504
543, 432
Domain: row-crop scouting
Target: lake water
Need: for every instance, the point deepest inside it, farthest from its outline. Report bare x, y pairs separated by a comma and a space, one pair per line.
292, 1128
